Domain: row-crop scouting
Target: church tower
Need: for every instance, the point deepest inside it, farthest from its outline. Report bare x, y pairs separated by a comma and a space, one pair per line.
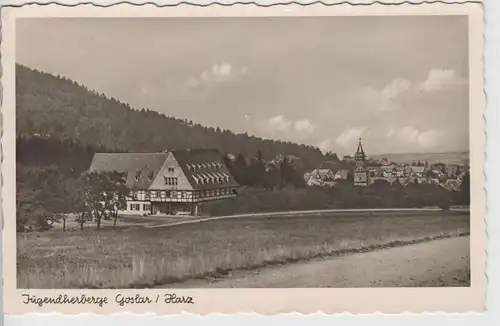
360, 172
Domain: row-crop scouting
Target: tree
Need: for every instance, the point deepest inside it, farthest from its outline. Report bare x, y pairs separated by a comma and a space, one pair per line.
94, 190
241, 169
117, 195
77, 199
105, 193
463, 194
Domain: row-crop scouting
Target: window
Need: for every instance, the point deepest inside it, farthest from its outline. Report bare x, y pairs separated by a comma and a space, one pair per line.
146, 207
153, 194
171, 181
134, 207
170, 169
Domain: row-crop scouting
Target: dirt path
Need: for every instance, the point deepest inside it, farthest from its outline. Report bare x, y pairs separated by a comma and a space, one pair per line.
435, 263
294, 213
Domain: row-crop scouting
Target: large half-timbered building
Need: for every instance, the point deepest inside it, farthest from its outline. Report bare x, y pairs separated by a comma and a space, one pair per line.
174, 182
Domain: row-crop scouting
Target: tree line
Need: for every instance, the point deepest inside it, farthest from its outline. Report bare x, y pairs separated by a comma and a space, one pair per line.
256, 172
58, 108
52, 181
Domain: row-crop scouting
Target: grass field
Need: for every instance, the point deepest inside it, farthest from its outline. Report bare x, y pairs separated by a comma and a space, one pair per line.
140, 257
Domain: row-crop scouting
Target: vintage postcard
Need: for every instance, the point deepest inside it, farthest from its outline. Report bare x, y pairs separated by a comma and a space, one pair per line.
235, 159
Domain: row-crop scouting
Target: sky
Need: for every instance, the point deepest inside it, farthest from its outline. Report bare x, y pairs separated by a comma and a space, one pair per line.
398, 82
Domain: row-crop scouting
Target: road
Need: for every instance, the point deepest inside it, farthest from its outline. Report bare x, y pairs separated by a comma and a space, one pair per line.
434, 263
190, 220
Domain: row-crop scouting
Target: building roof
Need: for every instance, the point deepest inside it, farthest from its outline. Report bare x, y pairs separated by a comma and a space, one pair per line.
418, 169
203, 164
360, 153
203, 168
388, 168
140, 168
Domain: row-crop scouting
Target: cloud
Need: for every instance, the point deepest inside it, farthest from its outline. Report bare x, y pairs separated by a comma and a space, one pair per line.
305, 126
384, 99
350, 136
217, 73
429, 138
426, 139
438, 79
394, 88
324, 145
279, 123
400, 91
192, 82
409, 134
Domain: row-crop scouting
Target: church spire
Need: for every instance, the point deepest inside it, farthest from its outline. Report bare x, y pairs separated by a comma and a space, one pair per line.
360, 153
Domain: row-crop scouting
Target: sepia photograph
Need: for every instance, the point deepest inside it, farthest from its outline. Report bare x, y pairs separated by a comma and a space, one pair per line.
268, 152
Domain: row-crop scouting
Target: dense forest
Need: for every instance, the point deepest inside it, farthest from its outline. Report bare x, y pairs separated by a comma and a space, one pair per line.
58, 108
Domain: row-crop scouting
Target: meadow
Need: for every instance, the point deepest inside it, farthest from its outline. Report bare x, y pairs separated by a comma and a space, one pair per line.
138, 257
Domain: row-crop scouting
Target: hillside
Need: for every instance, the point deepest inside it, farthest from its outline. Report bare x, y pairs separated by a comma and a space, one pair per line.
58, 108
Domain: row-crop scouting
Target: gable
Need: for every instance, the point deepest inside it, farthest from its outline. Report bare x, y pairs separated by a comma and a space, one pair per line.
171, 169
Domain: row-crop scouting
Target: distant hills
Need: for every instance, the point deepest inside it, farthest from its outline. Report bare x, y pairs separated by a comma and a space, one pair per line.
54, 107
447, 158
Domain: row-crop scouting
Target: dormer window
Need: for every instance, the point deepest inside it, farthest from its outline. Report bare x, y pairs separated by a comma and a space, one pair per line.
137, 175
150, 176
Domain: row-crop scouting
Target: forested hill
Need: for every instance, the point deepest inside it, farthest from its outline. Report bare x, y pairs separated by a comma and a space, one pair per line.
58, 108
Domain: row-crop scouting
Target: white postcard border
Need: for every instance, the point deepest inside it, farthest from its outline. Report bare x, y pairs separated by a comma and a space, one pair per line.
276, 300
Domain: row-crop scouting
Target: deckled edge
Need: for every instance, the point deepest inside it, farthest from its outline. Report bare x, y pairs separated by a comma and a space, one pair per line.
257, 4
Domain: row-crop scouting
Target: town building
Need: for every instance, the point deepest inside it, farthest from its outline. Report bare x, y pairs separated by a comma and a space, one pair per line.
341, 174
361, 177
418, 171
169, 183
320, 177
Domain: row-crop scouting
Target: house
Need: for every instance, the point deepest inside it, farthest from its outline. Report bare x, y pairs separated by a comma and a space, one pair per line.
320, 177
388, 171
454, 169
375, 171
169, 183
400, 171
452, 184
341, 175
418, 171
